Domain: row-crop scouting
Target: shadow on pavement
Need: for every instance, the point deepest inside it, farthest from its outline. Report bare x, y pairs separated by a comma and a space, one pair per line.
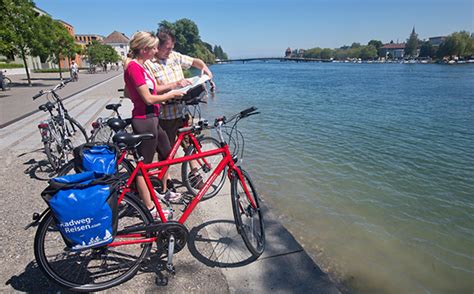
217, 244
39, 170
32, 280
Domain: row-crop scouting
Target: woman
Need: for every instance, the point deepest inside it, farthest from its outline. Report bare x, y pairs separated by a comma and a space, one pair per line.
141, 88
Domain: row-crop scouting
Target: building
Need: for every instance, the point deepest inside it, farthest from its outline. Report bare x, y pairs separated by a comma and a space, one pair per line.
436, 41
65, 61
288, 52
88, 38
393, 50
118, 41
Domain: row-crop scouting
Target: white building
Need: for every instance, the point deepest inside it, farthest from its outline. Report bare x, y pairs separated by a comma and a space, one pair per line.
119, 42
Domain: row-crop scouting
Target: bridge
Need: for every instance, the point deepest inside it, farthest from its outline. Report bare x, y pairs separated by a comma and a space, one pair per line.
295, 59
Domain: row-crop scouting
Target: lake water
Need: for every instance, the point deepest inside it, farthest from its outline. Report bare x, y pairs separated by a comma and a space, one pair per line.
371, 166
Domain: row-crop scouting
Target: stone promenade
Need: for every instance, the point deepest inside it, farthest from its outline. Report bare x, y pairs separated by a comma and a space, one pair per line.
215, 260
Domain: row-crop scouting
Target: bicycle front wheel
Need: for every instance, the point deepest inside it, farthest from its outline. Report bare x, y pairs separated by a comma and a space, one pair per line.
196, 172
248, 217
54, 151
7, 83
92, 269
75, 132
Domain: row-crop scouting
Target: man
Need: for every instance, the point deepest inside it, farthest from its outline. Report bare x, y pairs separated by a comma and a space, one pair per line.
168, 68
74, 71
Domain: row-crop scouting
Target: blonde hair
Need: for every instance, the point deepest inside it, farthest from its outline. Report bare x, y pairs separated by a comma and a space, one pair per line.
142, 40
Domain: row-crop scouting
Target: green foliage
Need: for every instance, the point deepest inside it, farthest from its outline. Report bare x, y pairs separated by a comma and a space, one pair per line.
219, 53
457, 44
189, 42
412, 44
98, 53
11, 65
426, 50
345, 52
18, 29
376, 43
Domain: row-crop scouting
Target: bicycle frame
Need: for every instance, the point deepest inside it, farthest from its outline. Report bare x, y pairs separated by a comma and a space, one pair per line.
143, 169
181, 136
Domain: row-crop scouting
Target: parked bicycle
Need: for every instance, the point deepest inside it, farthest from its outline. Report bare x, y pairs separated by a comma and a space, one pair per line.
103, 267
60, 133
5, 82
193, 173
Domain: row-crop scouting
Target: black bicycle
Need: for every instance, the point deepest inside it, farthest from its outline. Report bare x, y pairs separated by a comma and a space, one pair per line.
60, 133
5, 82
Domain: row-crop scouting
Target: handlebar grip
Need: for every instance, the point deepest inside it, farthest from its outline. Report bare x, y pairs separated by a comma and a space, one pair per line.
248, 110
38, 95
185, 129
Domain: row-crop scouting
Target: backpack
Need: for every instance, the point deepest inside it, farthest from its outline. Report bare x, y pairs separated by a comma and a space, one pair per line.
84, 207
96, 157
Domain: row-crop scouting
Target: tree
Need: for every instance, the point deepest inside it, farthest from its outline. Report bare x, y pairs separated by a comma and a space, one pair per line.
18, 29
368, 52
426, 49
377, 44
98, 53
412, 44
188, 40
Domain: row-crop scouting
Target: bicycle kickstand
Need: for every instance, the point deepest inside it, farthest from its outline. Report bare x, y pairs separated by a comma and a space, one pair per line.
169, 263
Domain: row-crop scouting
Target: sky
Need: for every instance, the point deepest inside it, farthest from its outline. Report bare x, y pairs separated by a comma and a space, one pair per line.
265, 28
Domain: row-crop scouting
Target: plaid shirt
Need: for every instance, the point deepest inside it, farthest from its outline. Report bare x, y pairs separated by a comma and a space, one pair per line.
168, 71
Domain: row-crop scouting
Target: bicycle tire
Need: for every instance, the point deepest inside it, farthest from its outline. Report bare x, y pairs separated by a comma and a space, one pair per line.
54, 150
248, 220
102, 134
7, 83
76, 124
193, 180
86, 271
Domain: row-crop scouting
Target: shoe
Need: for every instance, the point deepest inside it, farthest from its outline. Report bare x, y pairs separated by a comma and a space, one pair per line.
172, 196
196, 181
154, 213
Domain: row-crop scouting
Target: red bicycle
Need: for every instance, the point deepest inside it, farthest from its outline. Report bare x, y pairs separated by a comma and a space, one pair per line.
193, 173
104, 267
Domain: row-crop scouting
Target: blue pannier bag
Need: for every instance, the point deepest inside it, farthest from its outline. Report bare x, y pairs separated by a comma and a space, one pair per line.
84, 207
96, 157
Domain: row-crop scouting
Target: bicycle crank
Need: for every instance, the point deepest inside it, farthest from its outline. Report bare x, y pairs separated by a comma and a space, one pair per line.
179, 234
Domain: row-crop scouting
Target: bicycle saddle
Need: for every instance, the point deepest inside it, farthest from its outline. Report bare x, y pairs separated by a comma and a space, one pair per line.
113, 106
117, 124
126, 140
46, 107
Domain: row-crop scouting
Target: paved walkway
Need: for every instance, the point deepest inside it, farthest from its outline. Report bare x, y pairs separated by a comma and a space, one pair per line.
17, 102
215, 260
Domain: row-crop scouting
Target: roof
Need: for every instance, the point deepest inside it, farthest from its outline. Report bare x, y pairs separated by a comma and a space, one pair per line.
394, 46
116, 37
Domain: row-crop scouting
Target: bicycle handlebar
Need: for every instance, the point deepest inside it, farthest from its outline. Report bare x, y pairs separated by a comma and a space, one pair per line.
58, 86
244, 113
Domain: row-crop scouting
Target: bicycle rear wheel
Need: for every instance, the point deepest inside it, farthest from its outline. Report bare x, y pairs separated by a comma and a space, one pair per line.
248, 219
92, 269
102, 134
195, 173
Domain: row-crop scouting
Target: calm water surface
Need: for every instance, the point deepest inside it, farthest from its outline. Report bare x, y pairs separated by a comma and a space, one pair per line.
370, 165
